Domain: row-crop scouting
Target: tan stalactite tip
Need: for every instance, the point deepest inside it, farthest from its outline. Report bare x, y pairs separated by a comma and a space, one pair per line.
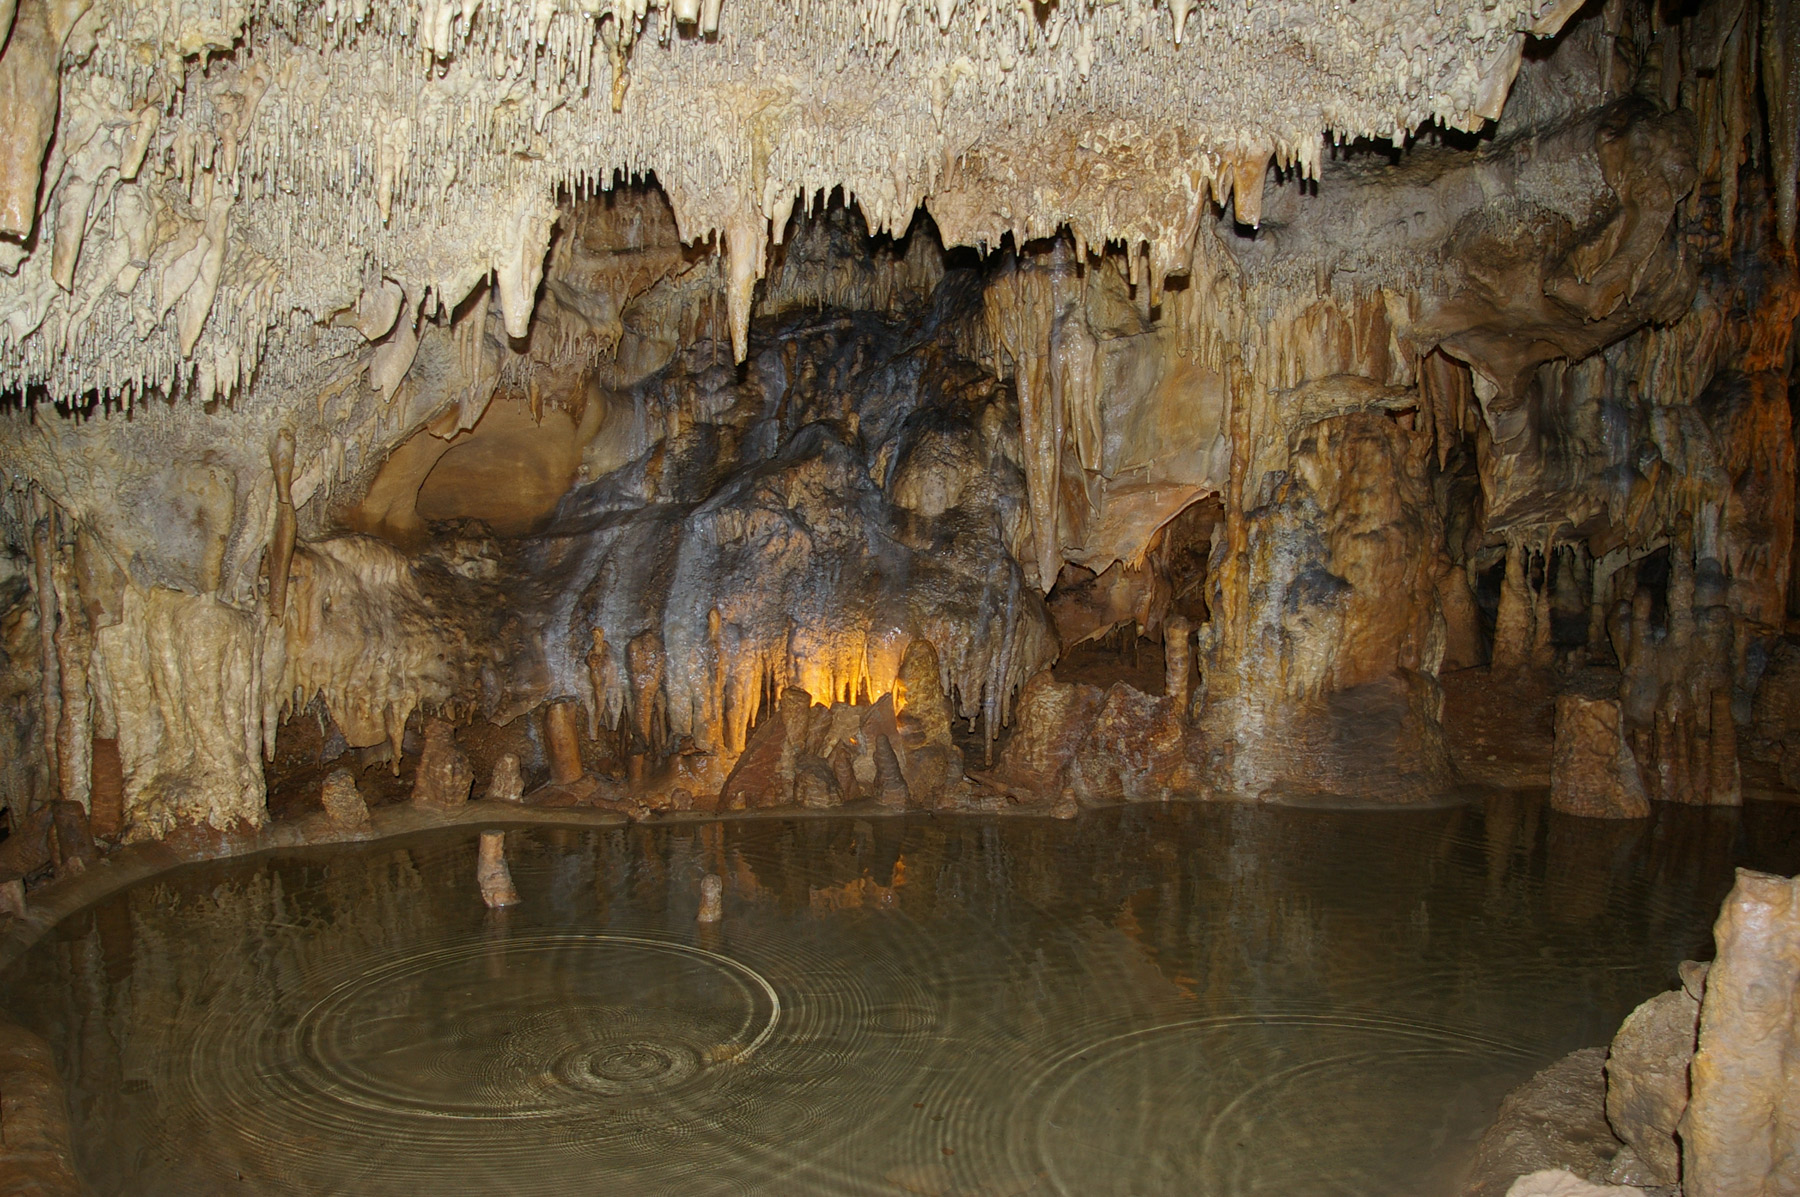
222, 182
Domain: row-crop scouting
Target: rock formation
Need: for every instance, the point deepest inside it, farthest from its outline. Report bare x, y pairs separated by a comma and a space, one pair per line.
596, 377
492, 876
1594, 771
343, 802
1740, 1135
1698, 1092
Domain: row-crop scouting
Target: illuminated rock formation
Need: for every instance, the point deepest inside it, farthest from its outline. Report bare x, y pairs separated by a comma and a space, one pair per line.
619, 370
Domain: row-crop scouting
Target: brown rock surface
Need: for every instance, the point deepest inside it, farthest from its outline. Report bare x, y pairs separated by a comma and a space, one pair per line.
37, 1157
445, 776
343, 802
1741, 1134
1052, 720
506, 784
1557, 1119
1593, 771
1647, 1081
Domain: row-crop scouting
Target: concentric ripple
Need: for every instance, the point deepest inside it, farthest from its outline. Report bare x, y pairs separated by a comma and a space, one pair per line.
1212, 1000
1364, 1105
529, 1027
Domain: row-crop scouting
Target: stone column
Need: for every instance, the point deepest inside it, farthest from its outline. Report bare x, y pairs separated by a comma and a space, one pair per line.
491, 873
1741, 1134
562, 739
1178, 666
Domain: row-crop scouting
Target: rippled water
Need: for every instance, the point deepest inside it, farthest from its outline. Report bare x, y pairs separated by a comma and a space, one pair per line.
1198, 1000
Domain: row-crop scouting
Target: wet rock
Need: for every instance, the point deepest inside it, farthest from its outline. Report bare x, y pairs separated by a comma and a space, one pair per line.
815, 784
889, 787
343, 802
445, 776
1741, 1134
491, 872
764, 774
712, 899
1050, 723
1133, 750
1593, 771
1555, 1182
36, 1152
1647, 1083
506, 784
1557, 1119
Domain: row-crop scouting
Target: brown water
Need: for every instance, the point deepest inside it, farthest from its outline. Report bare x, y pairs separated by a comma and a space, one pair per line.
1193, 999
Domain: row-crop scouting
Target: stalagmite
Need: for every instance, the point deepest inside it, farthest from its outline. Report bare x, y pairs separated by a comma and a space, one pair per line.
281, 541
1741, 1130
712, 906
562, 743
506, 785
491, 872
1178, 664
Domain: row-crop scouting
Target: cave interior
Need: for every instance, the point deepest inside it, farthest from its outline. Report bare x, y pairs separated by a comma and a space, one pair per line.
657, 411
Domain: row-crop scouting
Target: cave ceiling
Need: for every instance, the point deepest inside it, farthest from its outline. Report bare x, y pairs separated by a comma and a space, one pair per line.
372, 359
199, 196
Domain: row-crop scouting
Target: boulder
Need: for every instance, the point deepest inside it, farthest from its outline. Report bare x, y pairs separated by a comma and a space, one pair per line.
1557, 1119
1647, 1082
343, 802
815, 784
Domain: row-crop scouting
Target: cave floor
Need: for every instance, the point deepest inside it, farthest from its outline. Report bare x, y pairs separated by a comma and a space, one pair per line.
1177, 998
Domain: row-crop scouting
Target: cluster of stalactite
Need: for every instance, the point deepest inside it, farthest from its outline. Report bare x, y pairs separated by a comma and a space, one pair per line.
1520, 400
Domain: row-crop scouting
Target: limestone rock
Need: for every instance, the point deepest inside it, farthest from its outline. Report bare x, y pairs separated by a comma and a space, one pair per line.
38, 1157
1133, 750
343, 802
1052, 720
506, 784
1647, 1081
925, 711
764, 774
1556, 1182
445, 775
1741, 1134
1557, 1119
492, 875
1593, 771
815, 784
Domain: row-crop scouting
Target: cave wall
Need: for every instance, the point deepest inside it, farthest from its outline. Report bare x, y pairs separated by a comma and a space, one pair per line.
346, 371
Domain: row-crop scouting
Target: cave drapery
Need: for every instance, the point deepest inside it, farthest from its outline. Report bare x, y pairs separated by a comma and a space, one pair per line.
368, 361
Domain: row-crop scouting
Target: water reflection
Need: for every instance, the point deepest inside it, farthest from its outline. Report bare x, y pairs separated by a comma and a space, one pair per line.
1207, 999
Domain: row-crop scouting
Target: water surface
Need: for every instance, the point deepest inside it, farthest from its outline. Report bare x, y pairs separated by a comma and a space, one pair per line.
1218, 1000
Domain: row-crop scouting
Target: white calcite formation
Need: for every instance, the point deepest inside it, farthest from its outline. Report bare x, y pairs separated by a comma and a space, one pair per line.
1352, 303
